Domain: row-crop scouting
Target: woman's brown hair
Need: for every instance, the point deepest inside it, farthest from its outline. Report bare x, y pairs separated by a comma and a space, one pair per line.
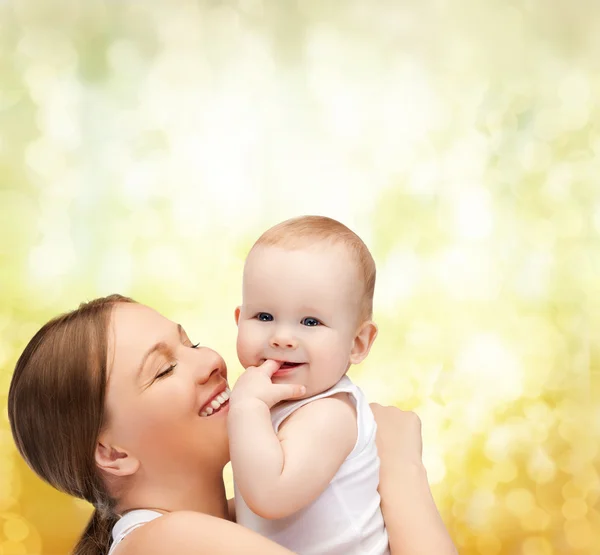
56, 410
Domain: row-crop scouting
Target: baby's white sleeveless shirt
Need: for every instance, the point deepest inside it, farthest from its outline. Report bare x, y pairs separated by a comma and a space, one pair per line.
346, 518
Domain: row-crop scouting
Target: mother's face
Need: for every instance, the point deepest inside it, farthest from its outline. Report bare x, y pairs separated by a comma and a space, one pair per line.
158, 384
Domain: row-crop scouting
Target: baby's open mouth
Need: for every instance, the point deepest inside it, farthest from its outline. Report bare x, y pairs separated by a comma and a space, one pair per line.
286, 365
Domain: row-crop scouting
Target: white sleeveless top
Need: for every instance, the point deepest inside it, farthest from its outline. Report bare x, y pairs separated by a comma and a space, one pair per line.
128, 523
346, 518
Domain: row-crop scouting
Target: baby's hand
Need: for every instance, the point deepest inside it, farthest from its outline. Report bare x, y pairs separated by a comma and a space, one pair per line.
255, 385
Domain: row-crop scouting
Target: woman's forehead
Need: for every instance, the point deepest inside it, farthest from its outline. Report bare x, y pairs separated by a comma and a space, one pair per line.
134, 328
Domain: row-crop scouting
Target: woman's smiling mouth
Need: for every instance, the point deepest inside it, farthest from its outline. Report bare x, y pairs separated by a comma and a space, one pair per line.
216, 404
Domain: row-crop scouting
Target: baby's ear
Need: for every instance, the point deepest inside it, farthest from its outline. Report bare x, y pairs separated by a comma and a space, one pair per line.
363, 341
237, 315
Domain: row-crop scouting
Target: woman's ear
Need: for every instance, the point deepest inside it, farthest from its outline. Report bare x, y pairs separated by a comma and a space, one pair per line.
363, 341
114, 460
237, 315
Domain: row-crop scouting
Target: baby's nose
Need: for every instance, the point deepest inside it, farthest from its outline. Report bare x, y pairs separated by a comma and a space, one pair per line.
280, 342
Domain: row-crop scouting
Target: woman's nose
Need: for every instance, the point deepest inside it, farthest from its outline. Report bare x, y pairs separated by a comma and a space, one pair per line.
207, 363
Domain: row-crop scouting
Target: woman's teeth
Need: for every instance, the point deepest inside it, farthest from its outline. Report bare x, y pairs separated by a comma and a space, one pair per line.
216, 403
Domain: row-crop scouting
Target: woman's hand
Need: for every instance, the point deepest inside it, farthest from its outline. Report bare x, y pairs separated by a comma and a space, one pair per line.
399, 439
412, 520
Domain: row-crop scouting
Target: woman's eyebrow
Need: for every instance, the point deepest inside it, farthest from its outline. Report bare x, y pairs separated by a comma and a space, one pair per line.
159, 346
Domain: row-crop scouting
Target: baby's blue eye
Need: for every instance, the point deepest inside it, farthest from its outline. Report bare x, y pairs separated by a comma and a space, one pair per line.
310, 322
264, 317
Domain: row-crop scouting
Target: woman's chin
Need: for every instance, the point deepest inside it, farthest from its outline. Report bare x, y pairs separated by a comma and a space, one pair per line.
214, 442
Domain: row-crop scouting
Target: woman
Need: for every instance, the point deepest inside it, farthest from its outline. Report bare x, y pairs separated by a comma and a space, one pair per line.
105, 404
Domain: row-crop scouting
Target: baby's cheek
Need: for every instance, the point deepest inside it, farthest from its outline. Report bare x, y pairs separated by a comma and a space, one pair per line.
333, 357
246, 346
342, 356
330, 348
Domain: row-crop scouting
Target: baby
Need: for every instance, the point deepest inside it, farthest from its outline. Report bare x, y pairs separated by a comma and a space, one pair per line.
306, 471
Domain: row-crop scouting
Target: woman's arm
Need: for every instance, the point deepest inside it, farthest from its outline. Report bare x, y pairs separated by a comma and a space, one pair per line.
191, 533
413, 522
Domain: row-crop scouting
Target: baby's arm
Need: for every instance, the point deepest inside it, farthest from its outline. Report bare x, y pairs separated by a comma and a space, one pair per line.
278, 475
315, 440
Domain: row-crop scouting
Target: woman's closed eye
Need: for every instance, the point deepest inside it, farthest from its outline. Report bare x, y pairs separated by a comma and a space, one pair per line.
310, 322
172, 366
165, 372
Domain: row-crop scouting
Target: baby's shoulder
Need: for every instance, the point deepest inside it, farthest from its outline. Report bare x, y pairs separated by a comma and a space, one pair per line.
324, 411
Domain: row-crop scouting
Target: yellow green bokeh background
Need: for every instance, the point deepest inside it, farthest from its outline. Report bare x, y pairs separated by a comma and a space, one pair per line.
145, 145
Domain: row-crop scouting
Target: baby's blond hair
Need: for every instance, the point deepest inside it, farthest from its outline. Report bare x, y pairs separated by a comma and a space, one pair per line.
305, 231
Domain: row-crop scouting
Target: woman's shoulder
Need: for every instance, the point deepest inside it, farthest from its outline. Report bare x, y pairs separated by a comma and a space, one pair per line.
171, 533
193, 533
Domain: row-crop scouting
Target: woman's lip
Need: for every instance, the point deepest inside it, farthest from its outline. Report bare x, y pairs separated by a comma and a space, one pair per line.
217, 391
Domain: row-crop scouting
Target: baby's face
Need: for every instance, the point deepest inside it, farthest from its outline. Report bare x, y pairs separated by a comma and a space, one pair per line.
300, 307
